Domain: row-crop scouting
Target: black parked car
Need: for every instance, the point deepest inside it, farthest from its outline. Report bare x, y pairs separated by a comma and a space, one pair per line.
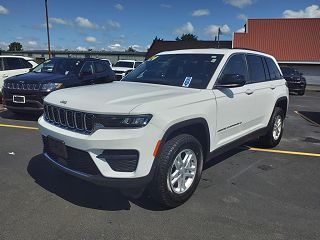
25, 93
296, 82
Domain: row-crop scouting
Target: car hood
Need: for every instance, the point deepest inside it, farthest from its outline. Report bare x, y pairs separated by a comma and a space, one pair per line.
39, 77
120, 97
123, 69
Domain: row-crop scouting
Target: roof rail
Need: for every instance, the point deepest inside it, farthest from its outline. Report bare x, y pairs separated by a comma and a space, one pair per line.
250, 50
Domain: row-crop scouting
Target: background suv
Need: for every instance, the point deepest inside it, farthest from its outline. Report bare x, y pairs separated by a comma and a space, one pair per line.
123, 67
296, 82
14, 65
157, 127
25, 93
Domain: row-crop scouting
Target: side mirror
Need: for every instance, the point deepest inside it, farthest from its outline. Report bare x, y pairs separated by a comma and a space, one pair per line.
231, 81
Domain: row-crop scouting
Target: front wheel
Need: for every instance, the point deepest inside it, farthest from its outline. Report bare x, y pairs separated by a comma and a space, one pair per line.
301, 92
275, 129
178, 172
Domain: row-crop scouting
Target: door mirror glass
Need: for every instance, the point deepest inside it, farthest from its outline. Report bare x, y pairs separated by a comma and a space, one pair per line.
231, 81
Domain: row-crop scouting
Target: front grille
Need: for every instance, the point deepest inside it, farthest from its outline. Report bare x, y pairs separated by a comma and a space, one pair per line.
23, 86
69, 119
77, 160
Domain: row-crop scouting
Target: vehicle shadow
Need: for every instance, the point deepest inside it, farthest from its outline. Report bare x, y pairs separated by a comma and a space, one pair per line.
82, 193
21, 116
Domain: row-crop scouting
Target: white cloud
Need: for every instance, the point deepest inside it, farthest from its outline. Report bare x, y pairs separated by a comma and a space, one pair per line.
119, 7
32, 43
90, 39
186, 28
140, 48
84, 22
212, 30
241, 30
44, 25
3, 10
165, 5
242, 17
60, 21
113, 24
4, 45
80, 48
201, 12
239, 3
116, 47
312, 11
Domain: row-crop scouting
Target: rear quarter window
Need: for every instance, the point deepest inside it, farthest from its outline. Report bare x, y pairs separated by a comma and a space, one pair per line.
273, 69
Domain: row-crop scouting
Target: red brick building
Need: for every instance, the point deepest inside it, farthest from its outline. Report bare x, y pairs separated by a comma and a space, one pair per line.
293, 42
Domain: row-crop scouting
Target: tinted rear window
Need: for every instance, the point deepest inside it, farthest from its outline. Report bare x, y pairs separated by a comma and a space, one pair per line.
12, 63
273, 69
256, 69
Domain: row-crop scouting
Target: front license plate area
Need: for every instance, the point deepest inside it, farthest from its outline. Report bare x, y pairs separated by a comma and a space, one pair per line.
19, 99
57, 147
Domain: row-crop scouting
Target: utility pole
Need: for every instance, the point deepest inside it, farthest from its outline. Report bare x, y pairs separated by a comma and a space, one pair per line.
48, 34
218, 37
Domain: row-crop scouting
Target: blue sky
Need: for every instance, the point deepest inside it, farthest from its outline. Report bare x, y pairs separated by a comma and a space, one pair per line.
116, 25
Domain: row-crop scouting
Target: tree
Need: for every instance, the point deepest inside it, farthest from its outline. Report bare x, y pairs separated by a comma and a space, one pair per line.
158, 39
15, 46
130, 49
187, 37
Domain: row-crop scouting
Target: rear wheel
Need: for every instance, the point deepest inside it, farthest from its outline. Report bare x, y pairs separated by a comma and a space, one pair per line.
275, 129
179, 171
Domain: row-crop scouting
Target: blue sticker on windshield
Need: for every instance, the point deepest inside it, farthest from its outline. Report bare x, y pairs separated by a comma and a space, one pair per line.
187, 82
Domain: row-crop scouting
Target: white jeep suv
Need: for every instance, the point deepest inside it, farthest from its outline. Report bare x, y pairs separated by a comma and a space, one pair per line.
158, 126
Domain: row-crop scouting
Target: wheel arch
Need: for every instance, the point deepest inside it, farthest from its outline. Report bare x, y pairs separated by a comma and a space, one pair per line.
197, 127
282, 103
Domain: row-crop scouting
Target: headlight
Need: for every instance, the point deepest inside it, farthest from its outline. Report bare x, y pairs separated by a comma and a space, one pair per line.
126, 121
51, 86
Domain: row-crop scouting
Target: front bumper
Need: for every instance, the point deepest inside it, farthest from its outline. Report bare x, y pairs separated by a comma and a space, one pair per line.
296, 86
142, 140
33, 100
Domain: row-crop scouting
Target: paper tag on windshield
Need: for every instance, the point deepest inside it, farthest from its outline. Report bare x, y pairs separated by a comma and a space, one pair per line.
187, 82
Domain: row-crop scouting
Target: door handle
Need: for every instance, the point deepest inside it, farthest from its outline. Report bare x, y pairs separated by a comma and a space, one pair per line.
272, 86
249, 91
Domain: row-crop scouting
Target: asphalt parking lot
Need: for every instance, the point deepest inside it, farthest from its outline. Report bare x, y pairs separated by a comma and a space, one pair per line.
245, 194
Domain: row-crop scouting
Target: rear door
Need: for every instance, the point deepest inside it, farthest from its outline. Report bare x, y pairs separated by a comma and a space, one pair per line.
103, 72
87, 73
234, 105
263, 87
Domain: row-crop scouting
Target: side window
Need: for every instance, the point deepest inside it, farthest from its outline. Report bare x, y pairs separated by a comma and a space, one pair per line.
256, 69
100, 66
236, 65
273, 69
87, 68
266, 69
25, 63
12, 63
1, 65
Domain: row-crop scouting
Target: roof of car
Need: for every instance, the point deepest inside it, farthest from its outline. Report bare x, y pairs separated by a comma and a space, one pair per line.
123, 60
224, 51
15, 56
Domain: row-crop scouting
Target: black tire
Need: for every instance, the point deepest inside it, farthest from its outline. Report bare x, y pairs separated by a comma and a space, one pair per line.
269, 141
301, 92
160, 188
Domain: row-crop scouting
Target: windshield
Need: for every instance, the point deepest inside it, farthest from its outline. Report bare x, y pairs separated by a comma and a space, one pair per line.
183, 70
59, 66
124, 64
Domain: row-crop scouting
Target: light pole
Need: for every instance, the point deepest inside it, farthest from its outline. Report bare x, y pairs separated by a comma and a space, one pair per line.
48, 34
